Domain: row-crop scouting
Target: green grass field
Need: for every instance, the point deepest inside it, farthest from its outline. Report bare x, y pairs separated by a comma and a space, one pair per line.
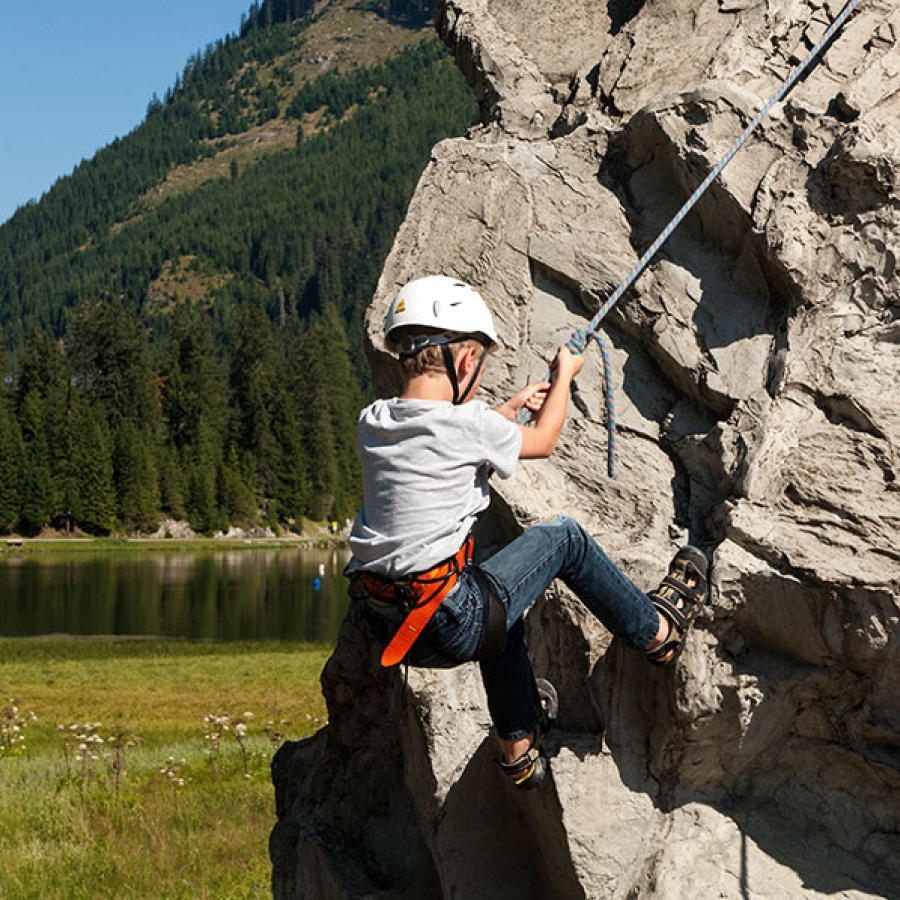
171, 804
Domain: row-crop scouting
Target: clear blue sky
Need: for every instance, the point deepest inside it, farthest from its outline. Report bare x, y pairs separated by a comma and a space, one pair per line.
76, 74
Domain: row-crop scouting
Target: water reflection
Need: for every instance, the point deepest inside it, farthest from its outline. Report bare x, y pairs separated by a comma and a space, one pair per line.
284, 594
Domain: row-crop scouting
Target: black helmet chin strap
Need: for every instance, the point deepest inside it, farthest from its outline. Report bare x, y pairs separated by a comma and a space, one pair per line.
451, 372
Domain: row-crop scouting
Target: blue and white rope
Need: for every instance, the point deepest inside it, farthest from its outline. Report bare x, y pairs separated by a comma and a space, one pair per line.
582, 337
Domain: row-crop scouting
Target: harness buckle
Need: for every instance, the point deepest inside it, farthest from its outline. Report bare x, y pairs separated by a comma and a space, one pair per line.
404, 596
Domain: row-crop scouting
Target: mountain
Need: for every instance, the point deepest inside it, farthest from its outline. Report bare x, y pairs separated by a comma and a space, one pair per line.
182, 317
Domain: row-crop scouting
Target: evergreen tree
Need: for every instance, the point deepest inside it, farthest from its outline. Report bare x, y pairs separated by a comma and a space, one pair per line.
329, 405
136, 478
113, 365
194, 390
41, 369
237, 497
203, 510
11, 465
37, 482
173, 484
344, 402
43, 393
93, 498
254, 377
290, 489
200, 463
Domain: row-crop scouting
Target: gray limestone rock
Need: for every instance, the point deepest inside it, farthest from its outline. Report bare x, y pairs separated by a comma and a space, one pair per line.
755, 365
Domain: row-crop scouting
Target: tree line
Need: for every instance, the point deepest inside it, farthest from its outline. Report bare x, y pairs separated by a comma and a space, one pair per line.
112, 431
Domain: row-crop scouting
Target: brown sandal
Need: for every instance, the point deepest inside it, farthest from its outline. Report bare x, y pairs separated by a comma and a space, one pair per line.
529, 769
679, 602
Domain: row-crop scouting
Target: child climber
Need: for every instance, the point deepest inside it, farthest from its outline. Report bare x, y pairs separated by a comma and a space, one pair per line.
426, 459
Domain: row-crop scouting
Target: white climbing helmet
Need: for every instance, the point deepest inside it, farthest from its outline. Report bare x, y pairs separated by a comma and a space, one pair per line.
445, 305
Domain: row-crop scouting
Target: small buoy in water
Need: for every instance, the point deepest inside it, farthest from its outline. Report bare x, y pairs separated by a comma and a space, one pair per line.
317, 584
321, 570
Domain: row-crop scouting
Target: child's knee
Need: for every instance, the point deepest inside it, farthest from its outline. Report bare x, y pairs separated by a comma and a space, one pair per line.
562, 521
567, 525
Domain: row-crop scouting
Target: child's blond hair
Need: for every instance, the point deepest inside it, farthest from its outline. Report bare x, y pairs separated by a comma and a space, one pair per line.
430, 360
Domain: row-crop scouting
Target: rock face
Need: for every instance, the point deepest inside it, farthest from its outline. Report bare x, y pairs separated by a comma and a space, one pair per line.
756, 365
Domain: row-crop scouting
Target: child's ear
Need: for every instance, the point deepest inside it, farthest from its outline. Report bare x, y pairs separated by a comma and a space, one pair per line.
466, 360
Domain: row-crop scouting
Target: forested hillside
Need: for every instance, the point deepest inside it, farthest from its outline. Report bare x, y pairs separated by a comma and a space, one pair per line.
182, 316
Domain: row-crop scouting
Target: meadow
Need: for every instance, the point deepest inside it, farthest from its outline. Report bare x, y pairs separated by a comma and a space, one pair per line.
140, 768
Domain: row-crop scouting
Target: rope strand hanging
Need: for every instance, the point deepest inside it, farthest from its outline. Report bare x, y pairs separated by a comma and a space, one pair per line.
581, 338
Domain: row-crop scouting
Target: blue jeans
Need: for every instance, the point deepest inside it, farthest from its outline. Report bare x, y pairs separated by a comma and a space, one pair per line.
521, 571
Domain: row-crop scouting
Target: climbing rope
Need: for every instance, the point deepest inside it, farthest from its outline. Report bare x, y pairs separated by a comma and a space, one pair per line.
581, 338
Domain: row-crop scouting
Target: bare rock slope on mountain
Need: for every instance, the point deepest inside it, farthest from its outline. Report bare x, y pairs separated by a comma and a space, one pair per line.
755, 365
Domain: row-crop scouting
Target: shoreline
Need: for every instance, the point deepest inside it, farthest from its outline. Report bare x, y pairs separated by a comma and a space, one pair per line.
14, 545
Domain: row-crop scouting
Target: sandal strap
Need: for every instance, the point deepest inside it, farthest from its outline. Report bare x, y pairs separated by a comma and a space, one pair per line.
679, 602
680, 616
659, 654
522, 765
693, 593
528, 770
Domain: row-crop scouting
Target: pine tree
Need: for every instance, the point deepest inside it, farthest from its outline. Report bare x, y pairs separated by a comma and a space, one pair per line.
37, 483
236, 494
254, 378
344, 402
194, 392
290, 490
200, 463
136, 479
93, 498
173, 485
203, 510
328, 405
113, 365
11, 465
43, 387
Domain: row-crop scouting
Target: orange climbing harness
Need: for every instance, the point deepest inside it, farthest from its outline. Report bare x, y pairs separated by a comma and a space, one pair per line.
419, 596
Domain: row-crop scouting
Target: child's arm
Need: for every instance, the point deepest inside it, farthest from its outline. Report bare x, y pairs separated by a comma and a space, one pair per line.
539, 440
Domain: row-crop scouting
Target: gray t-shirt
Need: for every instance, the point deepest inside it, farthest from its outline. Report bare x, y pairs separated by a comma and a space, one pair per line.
425, 468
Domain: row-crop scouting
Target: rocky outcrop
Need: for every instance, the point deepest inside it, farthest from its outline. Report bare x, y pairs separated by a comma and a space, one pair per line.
756, 365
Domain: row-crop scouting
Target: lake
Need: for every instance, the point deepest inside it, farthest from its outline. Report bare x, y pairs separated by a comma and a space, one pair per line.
288, 594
